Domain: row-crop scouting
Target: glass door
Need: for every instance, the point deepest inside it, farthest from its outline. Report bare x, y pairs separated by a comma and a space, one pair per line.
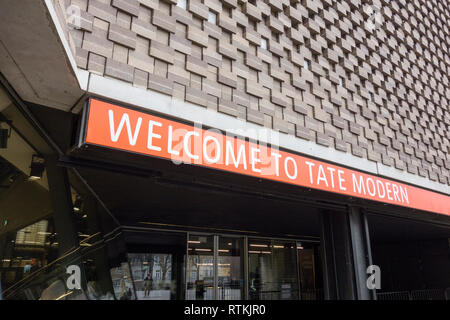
311, 283
273, 273
215, 268
230, 268
200, 276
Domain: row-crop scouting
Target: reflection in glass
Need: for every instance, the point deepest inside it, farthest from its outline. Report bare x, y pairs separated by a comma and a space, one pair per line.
310, 284
26, 251
230, 268
273, 271
122, 284
152, 275
200, 268
34, 234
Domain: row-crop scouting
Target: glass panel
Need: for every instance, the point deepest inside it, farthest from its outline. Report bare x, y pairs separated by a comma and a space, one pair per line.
157, 264
152, 275
309, 271
121, 279
273, 273
27, 251
200, 264
230, 268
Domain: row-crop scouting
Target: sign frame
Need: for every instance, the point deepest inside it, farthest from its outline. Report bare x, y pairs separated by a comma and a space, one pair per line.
364, 185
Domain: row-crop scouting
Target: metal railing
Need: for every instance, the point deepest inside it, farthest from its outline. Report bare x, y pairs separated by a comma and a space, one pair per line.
275, 291
426, 294
311, 294
53, 277
235, 292
230, 292
398, 295
30, 287
44, 284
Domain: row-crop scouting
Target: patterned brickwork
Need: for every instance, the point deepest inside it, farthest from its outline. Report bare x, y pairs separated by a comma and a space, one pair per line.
311, 68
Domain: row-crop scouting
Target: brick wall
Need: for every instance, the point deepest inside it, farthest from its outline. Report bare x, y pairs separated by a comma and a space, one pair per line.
311, 68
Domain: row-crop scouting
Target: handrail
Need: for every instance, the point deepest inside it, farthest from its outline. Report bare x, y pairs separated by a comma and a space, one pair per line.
29, 278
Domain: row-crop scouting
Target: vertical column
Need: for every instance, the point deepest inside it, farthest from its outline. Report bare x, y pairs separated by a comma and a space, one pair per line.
2, 255
179, 275
2, 246
362, 257
216, 269
60, 194
100, 255
63, 216
246, 286
345, 254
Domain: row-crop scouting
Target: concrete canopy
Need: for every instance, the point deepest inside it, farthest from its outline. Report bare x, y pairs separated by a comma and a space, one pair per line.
34, 58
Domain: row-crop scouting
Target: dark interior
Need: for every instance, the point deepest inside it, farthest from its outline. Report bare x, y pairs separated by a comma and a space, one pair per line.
413, 256
144, 201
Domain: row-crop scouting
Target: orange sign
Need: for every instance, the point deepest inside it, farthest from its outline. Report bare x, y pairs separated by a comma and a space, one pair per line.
121, 128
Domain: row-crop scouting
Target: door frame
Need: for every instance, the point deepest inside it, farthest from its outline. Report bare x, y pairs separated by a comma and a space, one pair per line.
215, 259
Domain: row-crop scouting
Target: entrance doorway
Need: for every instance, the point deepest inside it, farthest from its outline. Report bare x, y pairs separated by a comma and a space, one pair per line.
194, 266
283, 270
215, 267
273, 272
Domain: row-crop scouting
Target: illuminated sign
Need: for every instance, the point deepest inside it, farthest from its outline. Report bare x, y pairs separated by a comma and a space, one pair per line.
122, 128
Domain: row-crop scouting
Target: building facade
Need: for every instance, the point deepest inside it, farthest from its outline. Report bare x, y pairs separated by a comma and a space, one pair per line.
225, 149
